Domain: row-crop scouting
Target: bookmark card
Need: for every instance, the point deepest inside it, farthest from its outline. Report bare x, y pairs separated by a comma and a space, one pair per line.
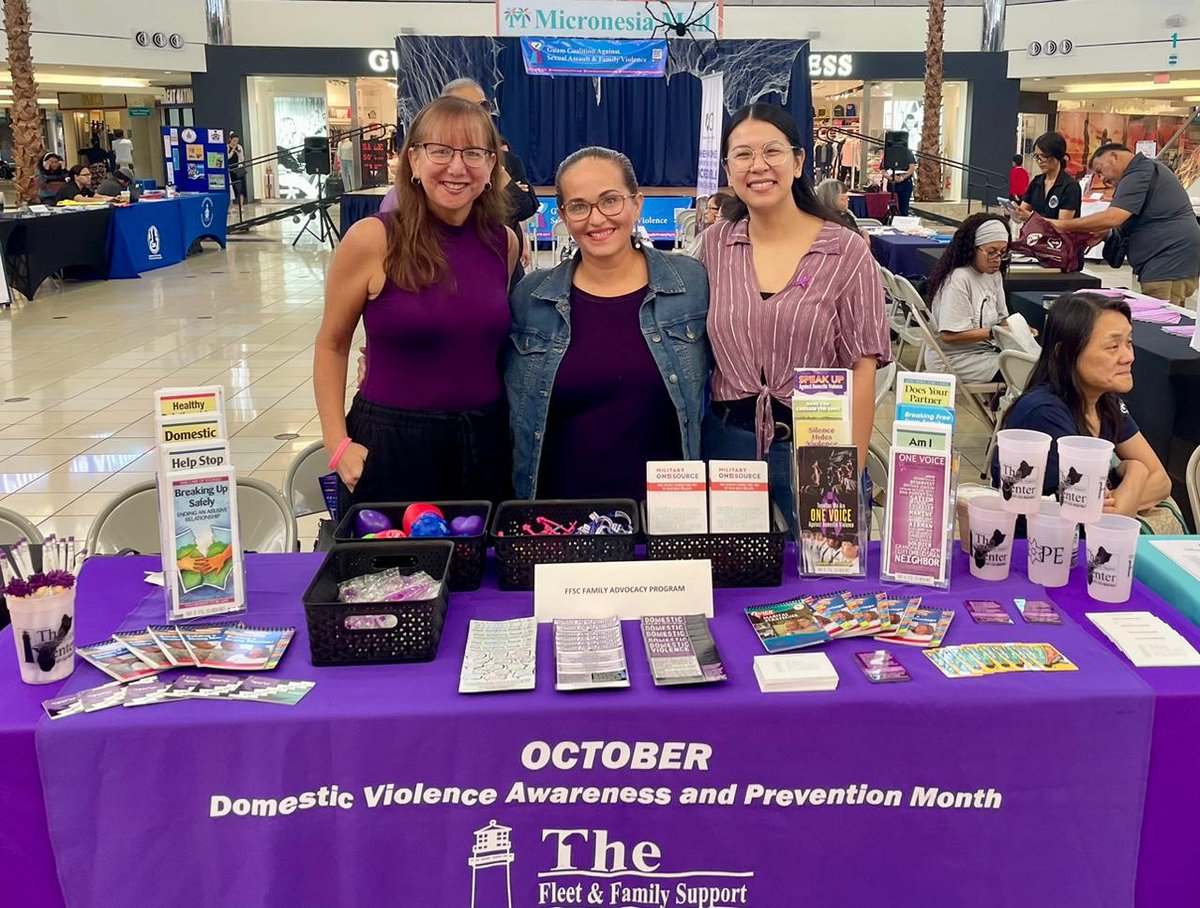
145, 693
881, 667
1038, 611
273, 690
916, 536
145, 647
99, 698
62, 707
115, 660
987, 611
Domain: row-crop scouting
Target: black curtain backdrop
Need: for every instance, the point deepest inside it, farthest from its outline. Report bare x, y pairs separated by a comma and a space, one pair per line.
653, 121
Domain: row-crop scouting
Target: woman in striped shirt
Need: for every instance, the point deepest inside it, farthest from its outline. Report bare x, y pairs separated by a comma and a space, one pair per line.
789, 287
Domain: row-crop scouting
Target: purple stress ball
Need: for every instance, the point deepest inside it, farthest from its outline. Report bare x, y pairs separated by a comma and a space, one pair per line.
427, 525
470, 525
370, 521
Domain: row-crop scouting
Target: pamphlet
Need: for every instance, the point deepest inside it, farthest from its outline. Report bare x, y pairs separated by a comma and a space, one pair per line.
676, 503
925, 397
738, 497
918, 525
589, 653
500, 655
143, 645
821, 407
1147, 640
829, 512
239, 648
146, 693
681, 650
190, 414
1184, 552
170, 641
272, 690
789, 625
114, 659
795, 672
926, 627
205, 574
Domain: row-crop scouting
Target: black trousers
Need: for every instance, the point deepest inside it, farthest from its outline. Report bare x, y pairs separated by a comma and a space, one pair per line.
430, 455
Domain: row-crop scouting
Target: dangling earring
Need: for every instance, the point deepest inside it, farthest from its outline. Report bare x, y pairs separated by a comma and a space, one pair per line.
487, 187
416, 180
637, 241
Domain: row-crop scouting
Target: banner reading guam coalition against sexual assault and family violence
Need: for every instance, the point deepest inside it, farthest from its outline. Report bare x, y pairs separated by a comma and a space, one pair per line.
643, 58
411, 796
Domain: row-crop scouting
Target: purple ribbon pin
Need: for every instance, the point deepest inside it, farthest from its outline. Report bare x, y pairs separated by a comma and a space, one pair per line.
803, 281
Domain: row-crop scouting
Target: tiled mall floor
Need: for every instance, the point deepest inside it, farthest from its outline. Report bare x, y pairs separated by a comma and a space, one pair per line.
78, 366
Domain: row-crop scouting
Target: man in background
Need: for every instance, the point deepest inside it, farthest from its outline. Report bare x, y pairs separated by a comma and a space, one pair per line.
122, 150
1153, 211
115, 183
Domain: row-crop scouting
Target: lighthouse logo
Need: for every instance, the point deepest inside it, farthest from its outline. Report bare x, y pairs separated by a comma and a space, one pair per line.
491, 853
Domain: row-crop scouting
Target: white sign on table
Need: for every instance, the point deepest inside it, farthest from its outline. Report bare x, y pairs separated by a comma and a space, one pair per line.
627, 589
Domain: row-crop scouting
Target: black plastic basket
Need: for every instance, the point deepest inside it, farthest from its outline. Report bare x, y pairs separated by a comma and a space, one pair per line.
517, 553
738, 559
466, 567
418, 627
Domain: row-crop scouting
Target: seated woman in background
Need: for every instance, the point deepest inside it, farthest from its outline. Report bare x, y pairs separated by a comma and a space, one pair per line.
1075, 389
967, 289
609, 356
833, 194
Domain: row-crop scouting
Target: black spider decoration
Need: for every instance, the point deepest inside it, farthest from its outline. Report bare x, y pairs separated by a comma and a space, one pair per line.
673, 26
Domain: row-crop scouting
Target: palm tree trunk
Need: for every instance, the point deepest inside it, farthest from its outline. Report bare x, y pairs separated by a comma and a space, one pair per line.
929, 173
26, 121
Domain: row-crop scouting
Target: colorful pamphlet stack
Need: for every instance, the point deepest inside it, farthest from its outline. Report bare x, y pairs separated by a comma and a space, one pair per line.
977, 660
681, 650
197, 496
813, 620
830, 513
500, 655
132, 655
204, 687
589, 653
794, 672
922, 480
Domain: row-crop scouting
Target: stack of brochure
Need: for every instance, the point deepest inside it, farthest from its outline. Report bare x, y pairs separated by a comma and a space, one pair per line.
589, 653
131, 655
1147, 640
681, 650
500, 655
812, 620
795, 672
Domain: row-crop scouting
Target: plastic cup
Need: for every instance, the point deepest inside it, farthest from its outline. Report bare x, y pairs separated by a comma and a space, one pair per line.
1022, 465
1083, 464
1052, 508
1051, 538
965, 494
44, 632
1111, 547
992, 526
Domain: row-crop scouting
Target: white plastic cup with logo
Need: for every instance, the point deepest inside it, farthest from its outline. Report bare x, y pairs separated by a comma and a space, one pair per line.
1052, 508
1051, 539
992, 526
1111, 548
1023, 455
44, 632
1083, 464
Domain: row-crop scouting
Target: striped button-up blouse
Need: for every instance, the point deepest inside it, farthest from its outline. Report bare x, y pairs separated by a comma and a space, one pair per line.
830, 315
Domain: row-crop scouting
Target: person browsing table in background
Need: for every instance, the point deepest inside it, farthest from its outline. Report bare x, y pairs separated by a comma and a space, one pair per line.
1018, 179
1153, 211
1086, 364
1053, 194
429, 281
789, 286
967, 288
609, 357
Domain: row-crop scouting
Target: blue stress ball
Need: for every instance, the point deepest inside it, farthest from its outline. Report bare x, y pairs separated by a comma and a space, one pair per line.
471, 525
427, 525
369, 521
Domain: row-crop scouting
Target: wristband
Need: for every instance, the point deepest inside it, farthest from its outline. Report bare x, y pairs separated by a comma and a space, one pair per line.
338, 452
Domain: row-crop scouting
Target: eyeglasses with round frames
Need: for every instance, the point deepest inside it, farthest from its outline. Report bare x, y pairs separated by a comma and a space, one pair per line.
608, 205
444, 154
742, 159
992, 255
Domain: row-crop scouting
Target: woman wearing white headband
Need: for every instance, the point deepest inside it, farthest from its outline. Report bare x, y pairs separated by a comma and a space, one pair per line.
967, 288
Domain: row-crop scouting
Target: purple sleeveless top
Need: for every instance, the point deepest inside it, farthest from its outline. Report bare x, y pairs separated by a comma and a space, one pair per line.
439, 349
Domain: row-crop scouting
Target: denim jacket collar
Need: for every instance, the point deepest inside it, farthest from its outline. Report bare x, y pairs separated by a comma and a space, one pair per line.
664, 278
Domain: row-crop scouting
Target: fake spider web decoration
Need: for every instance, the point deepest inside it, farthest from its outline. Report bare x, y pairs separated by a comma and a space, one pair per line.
753, 68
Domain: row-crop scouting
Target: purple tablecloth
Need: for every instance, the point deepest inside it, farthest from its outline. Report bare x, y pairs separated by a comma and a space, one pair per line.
129, 791
898, 253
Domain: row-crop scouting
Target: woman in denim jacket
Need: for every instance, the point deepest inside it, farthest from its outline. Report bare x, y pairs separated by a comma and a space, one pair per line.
608, 358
